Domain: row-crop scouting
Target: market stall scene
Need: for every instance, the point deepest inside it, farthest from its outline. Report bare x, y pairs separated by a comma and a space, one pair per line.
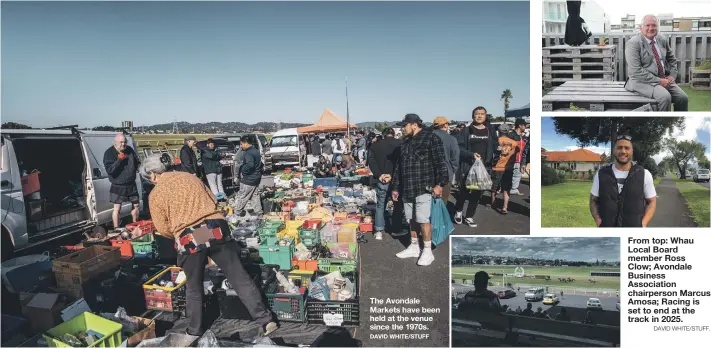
275, 260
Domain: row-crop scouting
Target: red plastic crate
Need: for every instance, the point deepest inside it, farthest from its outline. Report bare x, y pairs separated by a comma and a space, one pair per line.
365, 227
146, 226
313, 224
124, 246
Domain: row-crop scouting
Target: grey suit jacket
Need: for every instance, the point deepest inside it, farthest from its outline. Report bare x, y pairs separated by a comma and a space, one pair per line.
642, 67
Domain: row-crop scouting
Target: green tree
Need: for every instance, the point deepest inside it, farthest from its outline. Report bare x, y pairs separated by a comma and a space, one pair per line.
704, 162
683, 152
506, 96
647, 133
381, 126
105, 129
13, 125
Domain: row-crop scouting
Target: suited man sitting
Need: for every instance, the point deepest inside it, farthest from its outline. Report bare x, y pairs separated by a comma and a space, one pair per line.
652, 70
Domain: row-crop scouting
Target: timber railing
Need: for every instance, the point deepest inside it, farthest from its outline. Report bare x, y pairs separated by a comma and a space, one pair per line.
690, 49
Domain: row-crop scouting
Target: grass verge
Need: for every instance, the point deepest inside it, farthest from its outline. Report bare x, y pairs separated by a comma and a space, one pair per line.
698, 100
697, 199
580, 274
566, 205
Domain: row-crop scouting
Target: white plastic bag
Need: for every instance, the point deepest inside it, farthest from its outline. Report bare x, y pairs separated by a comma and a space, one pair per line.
478, 178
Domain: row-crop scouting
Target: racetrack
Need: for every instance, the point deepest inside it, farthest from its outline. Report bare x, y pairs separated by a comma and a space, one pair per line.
580, 274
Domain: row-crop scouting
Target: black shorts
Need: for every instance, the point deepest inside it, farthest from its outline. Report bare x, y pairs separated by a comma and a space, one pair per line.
504, 180
118, 199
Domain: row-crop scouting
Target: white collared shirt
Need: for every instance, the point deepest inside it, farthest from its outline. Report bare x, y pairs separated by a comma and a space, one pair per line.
659, 51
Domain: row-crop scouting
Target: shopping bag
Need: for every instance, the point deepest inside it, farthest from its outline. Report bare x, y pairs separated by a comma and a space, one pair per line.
478, 178
442, 225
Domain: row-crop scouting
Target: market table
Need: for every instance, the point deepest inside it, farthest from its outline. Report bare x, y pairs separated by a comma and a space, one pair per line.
596, 96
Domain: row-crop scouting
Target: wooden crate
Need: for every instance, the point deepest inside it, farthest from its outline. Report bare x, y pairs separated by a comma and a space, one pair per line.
595, 96
564, 63
74, 269
700, 79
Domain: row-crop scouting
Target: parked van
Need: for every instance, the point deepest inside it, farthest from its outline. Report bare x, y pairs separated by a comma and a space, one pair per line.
259, 140
73, 194
535, 294
284, 148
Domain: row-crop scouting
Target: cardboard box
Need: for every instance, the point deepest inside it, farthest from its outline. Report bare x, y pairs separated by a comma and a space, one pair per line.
347, 235
42, 310
147, 333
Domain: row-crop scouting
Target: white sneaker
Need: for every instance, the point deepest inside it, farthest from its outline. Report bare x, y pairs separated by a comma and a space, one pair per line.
412, 251
426, 258
458, 218
378, 235
471, 222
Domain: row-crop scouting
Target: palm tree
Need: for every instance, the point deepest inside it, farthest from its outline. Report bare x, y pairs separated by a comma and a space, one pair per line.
506, 96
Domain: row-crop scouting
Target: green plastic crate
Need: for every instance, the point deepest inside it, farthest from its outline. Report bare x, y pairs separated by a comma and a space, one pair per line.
309, 237
270, 229
288, 307
81, 323
337, 264
145, 244
274, 254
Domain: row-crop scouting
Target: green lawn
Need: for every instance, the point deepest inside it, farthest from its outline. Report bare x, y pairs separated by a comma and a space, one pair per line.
697, 199
698, 100
580, 274
657, 180
566, 205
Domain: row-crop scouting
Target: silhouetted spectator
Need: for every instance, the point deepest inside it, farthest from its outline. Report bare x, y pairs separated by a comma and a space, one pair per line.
528, 312
481, 298
563, 315
588, 318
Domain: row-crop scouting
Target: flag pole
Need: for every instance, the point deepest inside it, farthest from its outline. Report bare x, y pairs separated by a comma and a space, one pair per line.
348, 118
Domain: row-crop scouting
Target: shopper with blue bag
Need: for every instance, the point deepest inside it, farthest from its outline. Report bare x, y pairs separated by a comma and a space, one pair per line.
442, 225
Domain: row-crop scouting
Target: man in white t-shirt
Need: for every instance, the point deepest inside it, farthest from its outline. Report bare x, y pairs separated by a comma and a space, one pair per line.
623, 193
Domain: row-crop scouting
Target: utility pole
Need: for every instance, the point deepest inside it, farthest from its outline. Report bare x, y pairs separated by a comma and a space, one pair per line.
348, 118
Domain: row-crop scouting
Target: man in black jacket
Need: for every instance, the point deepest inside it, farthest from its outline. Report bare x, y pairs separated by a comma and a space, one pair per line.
252, 168
121, 163
623, 193
382, 157
476, 141
188, 159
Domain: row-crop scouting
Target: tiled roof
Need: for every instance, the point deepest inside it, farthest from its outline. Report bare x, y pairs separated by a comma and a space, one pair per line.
579, 155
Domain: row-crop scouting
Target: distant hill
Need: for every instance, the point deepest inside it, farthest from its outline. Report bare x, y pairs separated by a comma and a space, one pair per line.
222, 127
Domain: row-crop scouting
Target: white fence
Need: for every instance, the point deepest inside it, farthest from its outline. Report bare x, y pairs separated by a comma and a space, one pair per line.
690, 49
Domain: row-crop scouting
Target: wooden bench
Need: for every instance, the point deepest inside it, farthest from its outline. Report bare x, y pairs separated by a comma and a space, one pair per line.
513, 328
595, 96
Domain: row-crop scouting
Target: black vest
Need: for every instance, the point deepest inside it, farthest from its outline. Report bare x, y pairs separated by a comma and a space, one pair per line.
624, 209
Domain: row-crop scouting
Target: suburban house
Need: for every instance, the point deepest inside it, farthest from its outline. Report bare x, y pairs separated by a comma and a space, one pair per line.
580, 160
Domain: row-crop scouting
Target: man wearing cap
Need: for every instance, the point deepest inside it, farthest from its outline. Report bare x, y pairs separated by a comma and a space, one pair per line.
188, 159
502, 173
519, 136
382, 157
451, 151
121, 163
420, 174
623, 193
481, 299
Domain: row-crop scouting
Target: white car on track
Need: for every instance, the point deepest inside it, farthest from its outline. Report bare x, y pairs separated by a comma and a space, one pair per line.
594, 303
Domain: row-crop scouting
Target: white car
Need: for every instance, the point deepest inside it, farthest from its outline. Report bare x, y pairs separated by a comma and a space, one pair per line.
594, 303
702, 175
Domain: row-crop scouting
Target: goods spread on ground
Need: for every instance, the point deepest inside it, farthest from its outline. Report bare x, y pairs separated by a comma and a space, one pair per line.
302, 253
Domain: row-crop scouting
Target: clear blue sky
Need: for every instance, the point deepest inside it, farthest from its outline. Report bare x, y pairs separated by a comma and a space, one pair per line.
98, 63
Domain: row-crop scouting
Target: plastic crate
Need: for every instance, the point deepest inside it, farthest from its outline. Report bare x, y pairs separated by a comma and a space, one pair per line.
305, 265
333, 313
310, 237
288, 307
270, 228
325, 182
146, 226
162, 298
144, 247
81, 323
274, 254
313, 224
124, 246
74, 269
365, 227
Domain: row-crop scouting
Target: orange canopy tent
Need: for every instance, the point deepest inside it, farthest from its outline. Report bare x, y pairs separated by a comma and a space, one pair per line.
329, 122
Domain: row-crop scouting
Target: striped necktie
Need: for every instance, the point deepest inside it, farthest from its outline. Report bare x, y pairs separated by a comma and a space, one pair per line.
660, 69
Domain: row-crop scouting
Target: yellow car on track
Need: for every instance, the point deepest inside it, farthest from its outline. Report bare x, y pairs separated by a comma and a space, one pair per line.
550, 299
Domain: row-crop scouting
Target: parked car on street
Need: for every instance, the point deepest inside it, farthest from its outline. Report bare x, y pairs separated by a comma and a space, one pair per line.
506, 294
702, 175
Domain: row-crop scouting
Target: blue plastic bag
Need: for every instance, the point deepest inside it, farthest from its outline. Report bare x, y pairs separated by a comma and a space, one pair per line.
442, 225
